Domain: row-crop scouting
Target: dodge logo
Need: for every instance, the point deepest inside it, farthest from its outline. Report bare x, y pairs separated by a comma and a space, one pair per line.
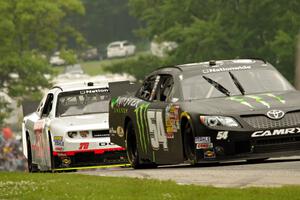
275, 114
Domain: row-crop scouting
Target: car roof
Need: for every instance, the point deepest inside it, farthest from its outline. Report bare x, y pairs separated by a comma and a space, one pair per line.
214, 65
73, 86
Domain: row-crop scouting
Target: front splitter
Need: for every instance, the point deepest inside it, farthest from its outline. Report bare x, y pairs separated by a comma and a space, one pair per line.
92, 167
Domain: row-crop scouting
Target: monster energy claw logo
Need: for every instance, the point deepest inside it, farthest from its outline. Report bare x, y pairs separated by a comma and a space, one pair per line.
141, 119
258, 99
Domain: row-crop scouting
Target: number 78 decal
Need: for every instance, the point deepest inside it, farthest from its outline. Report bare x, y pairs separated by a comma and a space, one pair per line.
156, 129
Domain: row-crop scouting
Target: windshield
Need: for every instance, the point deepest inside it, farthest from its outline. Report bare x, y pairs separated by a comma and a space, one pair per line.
235, 82
82, 102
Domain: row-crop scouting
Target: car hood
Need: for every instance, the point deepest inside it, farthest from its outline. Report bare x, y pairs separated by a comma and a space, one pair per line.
81, 122
246, 104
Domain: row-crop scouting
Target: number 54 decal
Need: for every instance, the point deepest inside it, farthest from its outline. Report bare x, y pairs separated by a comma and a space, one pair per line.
156, 129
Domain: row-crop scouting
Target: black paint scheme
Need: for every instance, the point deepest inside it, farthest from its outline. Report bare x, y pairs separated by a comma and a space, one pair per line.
164, 122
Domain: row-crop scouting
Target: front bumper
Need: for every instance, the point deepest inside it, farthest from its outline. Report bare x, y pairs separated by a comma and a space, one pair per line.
241, 146
82, 158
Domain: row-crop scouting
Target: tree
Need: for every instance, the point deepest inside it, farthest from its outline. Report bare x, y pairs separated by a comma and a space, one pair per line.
30, 31
211, 29
106, 21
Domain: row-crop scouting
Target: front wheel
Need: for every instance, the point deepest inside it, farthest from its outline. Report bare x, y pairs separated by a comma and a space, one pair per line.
31, 167
189, 143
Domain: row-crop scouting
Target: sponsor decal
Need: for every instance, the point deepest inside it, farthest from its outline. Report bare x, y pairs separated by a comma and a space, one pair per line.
142, 123
66, 161
201, 140
275, 114
58, 140
204, 146
150, 121
276, 132
120, 131
258, 99
93, 91
225, 69
125, 101
241, 100
157, 130
203, 143
222, 135
83, 145
209, 154
172, 120
279, 98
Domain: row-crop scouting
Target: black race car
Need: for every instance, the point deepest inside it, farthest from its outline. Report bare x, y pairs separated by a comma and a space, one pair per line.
207, 112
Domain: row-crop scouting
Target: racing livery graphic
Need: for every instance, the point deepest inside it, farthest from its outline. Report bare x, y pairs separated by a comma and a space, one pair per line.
207, 112
69, 129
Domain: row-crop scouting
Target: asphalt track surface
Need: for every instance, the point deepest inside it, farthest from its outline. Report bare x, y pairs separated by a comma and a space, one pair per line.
270, 173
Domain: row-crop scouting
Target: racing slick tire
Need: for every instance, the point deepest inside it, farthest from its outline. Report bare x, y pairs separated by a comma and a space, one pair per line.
189, 143
132, 149
131, 146
32, 168
51, 154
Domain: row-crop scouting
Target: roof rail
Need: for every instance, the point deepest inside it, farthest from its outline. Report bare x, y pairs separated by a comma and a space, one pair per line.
261, 59
169, 66
58, 87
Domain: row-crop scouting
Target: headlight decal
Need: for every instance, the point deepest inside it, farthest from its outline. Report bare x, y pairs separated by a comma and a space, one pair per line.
218, 121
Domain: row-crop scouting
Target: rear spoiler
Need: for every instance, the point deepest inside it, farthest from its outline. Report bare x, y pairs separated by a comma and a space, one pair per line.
123, 88
29, 106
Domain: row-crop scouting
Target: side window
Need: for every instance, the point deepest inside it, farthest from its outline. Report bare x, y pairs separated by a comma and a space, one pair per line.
164, 89
40, 107
148, 89
48, 105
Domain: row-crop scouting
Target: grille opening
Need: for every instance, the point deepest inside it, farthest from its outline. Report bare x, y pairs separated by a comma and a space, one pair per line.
100, 133
263, 122
242, 147
277, 140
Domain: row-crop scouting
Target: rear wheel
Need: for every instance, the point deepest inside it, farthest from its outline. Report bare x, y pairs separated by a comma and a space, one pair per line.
189, 143
51, 153
31, 167
131, 146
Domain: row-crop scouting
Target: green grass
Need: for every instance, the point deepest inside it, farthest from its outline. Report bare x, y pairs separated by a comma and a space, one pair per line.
74, 186
93, 68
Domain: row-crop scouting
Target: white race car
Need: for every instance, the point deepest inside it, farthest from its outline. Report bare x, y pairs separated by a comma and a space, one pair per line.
70, 129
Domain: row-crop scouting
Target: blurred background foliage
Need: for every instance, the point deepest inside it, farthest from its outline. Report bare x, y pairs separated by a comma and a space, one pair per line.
30, 30
213, 29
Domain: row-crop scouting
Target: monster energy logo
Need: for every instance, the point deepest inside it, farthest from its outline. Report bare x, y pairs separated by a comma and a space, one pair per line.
258, 99
113, 102
141, 118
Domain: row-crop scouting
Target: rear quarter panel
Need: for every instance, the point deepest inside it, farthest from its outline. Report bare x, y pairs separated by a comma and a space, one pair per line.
121, 110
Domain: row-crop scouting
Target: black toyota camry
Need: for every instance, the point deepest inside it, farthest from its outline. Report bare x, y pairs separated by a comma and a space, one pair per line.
207, 112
